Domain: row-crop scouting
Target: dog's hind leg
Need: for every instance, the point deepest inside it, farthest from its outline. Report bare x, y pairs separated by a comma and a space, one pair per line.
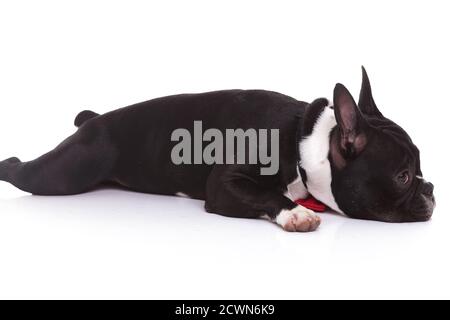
78, 164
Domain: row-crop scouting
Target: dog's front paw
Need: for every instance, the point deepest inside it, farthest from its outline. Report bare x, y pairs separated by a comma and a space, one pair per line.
298, 219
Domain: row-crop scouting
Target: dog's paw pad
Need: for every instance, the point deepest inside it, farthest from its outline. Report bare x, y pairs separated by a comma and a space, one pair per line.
299, 219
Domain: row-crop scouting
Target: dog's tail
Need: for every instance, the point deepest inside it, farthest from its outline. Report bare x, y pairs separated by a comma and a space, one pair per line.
84, 116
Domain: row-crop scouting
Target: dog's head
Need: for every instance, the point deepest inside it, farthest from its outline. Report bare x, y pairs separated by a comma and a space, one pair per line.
375, 165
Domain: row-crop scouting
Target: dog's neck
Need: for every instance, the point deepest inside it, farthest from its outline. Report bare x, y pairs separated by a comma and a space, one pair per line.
313, 151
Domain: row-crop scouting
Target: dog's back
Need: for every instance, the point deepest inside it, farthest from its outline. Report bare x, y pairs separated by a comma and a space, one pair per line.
142, 134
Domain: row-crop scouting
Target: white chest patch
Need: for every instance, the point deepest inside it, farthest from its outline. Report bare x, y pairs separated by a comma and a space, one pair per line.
296, 189
314, 151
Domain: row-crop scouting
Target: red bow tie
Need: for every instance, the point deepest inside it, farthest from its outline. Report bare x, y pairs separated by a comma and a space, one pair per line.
312, 204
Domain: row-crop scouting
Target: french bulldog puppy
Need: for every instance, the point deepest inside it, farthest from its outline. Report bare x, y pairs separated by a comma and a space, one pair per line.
348, 155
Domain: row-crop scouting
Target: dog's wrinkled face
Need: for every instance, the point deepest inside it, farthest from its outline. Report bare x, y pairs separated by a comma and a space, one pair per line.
375, 166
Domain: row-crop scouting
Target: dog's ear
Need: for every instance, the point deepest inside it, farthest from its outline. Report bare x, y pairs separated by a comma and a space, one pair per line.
366, 103
351, 123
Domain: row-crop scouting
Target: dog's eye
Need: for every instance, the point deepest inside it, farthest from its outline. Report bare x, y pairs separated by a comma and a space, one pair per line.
403, 177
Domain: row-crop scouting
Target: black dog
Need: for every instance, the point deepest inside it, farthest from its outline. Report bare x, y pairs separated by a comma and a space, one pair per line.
351, 158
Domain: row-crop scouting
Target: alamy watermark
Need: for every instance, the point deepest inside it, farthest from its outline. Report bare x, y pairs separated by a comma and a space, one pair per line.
240, 147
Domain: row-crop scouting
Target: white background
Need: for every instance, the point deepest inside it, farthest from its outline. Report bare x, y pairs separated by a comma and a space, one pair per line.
59, 57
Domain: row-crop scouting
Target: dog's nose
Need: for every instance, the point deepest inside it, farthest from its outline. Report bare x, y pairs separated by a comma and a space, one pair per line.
428, 189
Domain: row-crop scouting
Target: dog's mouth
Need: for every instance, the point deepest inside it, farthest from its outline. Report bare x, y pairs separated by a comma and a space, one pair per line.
420, 211
423, 209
